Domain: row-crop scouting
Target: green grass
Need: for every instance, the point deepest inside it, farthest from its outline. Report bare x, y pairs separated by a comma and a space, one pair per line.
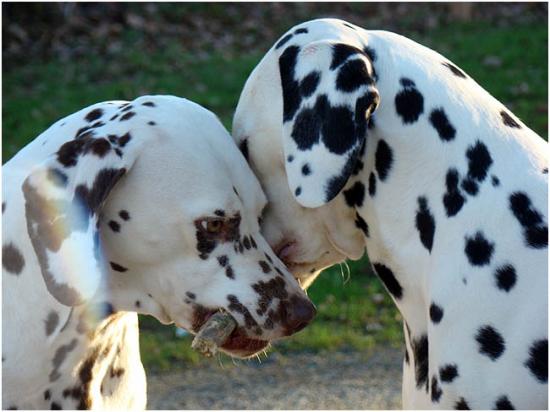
352, 314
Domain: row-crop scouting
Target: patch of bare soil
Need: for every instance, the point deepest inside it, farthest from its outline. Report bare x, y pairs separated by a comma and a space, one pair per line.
339, 380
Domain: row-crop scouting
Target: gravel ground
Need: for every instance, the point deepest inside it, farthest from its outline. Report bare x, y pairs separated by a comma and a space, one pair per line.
350, 380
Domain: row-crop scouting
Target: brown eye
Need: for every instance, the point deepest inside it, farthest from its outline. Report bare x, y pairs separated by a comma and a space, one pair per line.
214, 226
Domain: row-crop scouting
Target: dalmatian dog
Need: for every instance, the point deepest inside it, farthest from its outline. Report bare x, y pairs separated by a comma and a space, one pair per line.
123, 208
366, 139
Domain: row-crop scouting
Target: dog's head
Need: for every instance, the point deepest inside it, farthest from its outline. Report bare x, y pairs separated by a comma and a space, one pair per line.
158, 214
302, 119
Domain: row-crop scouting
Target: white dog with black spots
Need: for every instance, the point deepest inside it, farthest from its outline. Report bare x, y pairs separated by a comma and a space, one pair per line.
123, 208
368, 139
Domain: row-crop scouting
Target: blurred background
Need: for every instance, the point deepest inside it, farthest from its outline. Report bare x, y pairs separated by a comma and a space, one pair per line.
61, 57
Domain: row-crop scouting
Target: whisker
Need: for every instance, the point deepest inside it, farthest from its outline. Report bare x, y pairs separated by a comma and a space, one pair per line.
349, 272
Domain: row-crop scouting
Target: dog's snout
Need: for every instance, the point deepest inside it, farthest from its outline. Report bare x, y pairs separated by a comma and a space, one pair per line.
300, 312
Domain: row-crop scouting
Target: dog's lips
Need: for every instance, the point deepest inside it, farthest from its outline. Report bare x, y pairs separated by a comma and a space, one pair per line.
238, 343
241, 345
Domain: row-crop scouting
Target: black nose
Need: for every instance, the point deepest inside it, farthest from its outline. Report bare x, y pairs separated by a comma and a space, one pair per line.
300, 312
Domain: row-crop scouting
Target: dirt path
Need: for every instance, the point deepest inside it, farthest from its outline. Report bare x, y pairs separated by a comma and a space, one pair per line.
299, 381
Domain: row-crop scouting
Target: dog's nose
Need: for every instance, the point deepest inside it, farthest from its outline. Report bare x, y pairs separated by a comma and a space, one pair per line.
300, 312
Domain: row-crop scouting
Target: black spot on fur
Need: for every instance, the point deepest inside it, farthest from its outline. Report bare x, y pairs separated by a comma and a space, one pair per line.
273, 289
361, 224
340, 53
370, 52
93, 198
352, 75
100, 147
491, 343
124, 215
535, 231
309, 84
308, 123
47, 395
441, 123
191, 295
337, 182
545, 171
448, 373
291, 89
265, 266
383, 159
409, 102
436, 390
55, 406
306, 170
290, 158
236, 306
301, 31
298, 191
509, 120
470, 186
94, 115
421, 361
68, 153
3, 207
124, 139
479, 161
456, 71
478, 249
51, 322
229, 272
119, 268
338, 127
127, 116
495, 181
355, 195
115, 226
461, 404
436, 313
537, 362
372, 184
243, 147
246, 243
425, 223
12, 259
387, 277
452, 199
219, 212
283, 41
503, 403
150, 104
505, 277
151, 123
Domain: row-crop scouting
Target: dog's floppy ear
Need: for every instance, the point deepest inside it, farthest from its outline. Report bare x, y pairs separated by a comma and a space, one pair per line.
328, 96
63, 197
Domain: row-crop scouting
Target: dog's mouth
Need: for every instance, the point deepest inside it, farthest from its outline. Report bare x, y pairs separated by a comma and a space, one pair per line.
238, 344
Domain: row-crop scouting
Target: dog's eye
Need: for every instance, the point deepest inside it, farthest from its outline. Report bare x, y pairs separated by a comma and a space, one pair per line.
221, 228
214, 225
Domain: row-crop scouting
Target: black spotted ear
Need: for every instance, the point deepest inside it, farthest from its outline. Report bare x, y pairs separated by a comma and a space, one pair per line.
63, 197
328, 97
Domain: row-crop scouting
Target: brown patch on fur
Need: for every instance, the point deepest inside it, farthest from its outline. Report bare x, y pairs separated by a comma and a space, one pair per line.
236, 306
268, 291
